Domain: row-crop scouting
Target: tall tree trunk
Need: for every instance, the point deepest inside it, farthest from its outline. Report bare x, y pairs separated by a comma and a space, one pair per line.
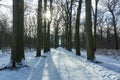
48, 36
45, 30
101, 36
18, 32
56, 36
63, 38
77, 32
89, 39
49, 23
95, 23
108, 37
39, 28
66, 35
67, 25
70, 27
115, 31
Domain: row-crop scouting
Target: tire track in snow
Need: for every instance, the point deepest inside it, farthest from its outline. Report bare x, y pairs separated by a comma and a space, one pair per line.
38, 68
50, 72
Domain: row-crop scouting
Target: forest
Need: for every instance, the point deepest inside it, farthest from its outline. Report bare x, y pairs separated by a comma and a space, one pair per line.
60, 39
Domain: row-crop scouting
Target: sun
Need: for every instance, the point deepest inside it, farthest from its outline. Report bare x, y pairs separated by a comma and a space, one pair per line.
48, 15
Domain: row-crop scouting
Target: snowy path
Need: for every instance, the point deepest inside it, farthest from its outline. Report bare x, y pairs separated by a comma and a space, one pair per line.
72, 67
69, 67
59, 66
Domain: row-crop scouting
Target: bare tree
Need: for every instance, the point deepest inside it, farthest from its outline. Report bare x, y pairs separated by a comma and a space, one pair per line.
77, 32
95, 22
39, 28
18, 33
45, 26
89, 37
49, 25
111, 5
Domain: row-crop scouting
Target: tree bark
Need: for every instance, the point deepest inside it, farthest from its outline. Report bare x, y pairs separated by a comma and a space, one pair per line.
49, 23
77, 32
95, 23
89, 38
56, 35
39, 28
18, 32
115, 31
45, 27
70, 27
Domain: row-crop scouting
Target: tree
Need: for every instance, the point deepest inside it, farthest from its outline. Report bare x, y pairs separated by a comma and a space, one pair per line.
77, 32
56, 34
95, 22
67, 24
67, 17
63, 11
3, 30
39, 28
49, 24
45, 26
18, 33
57, 21
70, 27
111, 5
108, 36
88, 26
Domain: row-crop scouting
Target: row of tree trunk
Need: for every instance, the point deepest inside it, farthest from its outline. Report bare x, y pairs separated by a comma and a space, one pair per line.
18, 31
88, 28
43, 29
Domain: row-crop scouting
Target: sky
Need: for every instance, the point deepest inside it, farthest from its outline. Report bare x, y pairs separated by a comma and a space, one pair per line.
6, 7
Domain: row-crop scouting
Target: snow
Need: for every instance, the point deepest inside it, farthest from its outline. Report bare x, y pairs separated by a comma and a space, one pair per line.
60, 64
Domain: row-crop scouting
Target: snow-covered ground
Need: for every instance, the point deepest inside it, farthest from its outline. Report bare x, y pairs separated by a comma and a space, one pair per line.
60, 64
